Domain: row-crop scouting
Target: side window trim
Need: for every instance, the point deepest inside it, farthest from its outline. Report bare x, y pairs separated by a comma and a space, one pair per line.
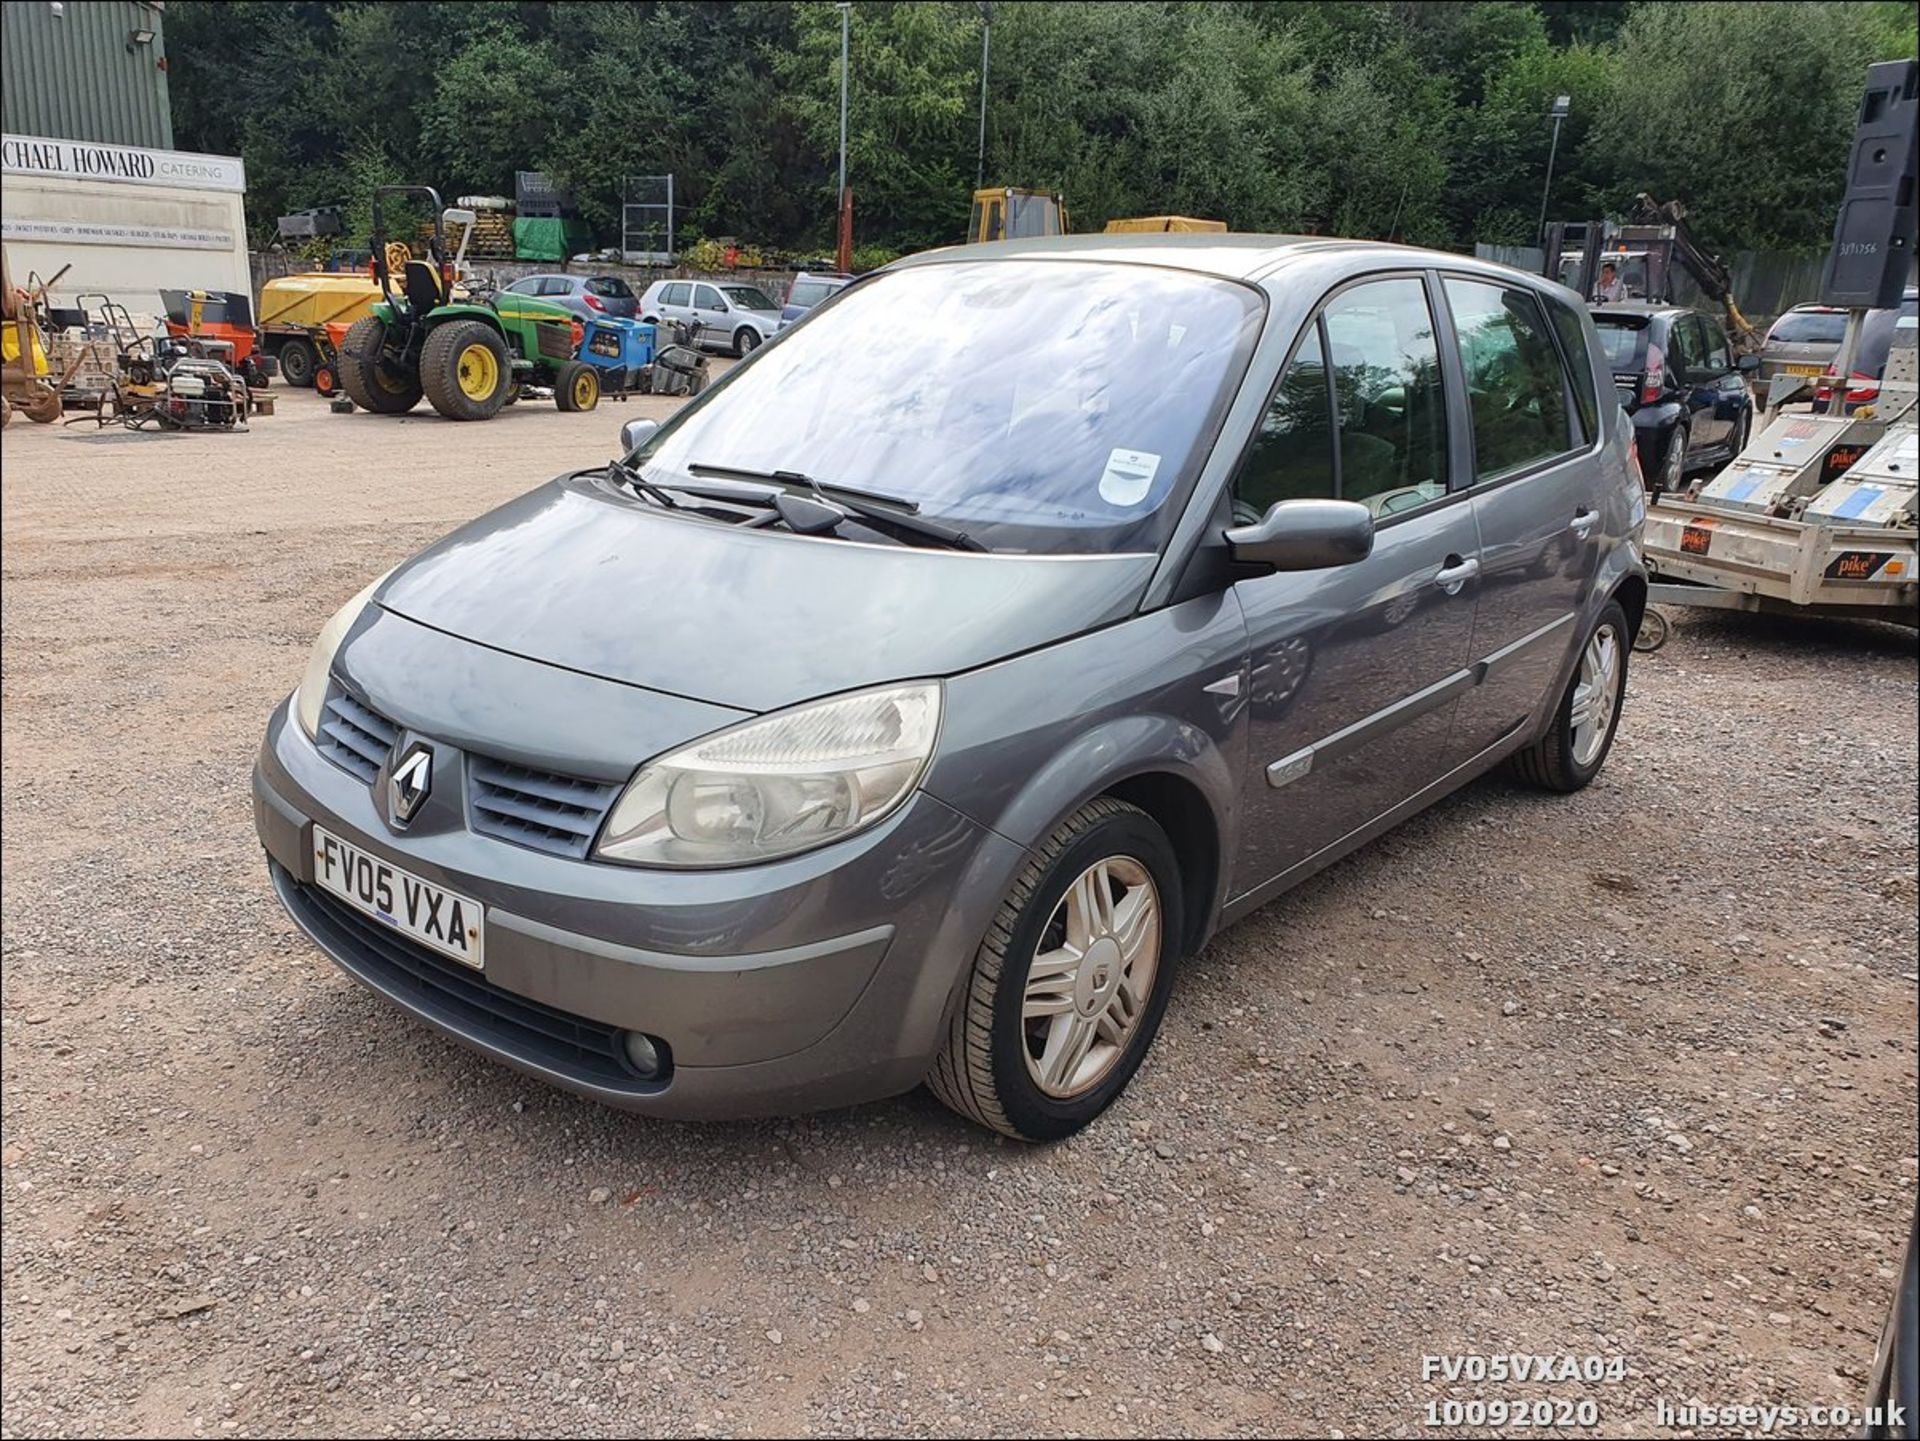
1453, 376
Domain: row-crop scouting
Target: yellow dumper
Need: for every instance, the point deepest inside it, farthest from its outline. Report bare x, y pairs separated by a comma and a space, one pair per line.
300, 313
1159, 224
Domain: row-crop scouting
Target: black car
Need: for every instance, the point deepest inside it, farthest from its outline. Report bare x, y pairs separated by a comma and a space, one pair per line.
1680, 382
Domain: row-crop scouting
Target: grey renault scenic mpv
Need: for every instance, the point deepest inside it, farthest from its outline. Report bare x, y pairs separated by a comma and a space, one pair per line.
908, 705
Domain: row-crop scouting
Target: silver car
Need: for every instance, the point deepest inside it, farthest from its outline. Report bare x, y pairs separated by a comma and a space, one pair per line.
912, 704
725, 315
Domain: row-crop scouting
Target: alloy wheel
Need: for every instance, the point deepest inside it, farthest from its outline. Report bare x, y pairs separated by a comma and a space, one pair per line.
1596, 694
1091, 977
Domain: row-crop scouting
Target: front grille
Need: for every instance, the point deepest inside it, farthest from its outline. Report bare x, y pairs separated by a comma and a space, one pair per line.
556, 814
556, 341
459, 998
355, 737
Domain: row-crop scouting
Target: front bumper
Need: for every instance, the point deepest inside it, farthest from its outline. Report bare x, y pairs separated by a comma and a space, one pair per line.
817, 981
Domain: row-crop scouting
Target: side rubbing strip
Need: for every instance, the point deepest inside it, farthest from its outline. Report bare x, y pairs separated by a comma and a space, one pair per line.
1492, 663
1291, 768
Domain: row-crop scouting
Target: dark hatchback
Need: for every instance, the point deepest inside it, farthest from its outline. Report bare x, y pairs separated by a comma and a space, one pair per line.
1679, 380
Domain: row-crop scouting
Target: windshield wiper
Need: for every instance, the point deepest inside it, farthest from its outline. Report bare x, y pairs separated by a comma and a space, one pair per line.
632, 476
891, 515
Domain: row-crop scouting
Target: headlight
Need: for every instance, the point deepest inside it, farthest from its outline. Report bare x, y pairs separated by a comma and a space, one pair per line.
777, 785
313, 685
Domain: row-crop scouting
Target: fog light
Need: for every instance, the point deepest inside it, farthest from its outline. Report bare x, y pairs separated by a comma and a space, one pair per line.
643, 1054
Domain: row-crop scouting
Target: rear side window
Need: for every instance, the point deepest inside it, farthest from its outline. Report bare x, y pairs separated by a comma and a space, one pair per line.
1573, 345
1686, 354
556, 285
1804, 327
1516, 388
676, 294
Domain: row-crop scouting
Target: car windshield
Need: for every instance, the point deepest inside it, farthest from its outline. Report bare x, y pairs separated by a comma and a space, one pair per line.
1047, 406
1624, 339
1801, 327
748, 297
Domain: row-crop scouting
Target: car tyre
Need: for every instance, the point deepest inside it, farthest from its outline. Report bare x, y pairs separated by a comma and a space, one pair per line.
298, 361
745, 341
1038, 1056
368, 380
1579, 737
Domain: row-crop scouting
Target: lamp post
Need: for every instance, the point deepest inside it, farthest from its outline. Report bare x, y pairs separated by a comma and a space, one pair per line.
843, 202
844, 7
1561, 104
986, 40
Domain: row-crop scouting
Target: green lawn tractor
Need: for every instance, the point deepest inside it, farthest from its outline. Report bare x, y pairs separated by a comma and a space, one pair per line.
428, 335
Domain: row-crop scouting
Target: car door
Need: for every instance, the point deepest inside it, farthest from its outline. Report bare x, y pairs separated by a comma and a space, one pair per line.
1534, 419
710, 314
1730, 400
1355, 672
676, 301
559, 289
1699, 387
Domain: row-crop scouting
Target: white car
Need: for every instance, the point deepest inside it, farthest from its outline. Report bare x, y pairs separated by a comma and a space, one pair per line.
725, 315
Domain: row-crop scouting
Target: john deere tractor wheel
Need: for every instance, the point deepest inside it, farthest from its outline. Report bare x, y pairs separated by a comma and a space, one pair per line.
577, 387
371, 382
466, 369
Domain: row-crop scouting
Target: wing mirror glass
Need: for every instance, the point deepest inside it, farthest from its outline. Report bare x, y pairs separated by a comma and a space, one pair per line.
1305, 535
1748, 363
636, 433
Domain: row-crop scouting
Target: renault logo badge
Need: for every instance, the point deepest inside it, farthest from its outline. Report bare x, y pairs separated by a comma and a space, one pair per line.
409, 783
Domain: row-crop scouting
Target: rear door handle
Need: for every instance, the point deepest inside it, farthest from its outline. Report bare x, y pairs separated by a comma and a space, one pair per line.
1583, 523
1456, 573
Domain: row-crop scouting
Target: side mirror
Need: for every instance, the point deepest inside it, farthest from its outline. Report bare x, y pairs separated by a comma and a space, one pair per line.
636, 433
1305, 535
1747, 363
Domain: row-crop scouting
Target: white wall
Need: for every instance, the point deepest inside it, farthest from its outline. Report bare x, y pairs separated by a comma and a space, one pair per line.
129, 241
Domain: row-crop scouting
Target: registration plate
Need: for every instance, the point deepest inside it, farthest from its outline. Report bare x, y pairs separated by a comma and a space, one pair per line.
440, 919
1803, 370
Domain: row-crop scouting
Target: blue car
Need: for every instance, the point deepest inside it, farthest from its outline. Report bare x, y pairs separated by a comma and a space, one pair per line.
809, 289
1680, 381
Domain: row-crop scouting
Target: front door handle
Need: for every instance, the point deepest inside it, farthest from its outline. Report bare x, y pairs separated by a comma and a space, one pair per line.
1456, 573
1583, 523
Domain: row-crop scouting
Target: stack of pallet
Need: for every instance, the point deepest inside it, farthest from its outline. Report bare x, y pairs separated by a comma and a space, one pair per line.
492, 236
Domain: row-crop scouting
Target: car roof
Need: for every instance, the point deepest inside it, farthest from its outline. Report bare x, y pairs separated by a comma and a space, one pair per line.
1233, 255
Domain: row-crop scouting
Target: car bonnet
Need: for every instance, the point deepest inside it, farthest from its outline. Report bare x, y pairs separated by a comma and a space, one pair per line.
576, 577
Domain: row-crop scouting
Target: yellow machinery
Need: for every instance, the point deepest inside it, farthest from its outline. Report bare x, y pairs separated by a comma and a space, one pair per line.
298, 313
26, 380
1008, 213
1162, 224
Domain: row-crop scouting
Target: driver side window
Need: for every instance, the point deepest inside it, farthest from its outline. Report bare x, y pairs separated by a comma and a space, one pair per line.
1380, 436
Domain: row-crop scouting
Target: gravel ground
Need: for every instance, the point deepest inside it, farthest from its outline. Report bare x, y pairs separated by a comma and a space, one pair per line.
1628, 1074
